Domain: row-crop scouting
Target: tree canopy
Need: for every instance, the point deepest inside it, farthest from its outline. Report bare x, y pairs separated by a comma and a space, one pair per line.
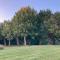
30, 27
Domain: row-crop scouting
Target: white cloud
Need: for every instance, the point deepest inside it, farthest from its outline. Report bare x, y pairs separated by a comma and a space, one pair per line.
2, 15
1, 19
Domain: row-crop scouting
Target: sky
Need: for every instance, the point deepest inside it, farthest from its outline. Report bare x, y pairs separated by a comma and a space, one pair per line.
9, 7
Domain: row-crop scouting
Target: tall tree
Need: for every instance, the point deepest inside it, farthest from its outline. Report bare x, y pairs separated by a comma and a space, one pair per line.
1, 37
23, 22
43, 17
7, 31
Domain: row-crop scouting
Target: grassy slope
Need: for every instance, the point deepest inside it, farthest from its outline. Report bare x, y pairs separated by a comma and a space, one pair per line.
31, 53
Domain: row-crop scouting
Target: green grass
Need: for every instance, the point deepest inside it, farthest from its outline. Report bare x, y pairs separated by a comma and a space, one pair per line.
31, 53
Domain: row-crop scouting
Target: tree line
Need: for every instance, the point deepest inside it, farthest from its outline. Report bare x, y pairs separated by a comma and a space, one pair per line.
29, 27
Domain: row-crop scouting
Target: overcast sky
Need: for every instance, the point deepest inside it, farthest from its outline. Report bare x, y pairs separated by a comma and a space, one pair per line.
9, 7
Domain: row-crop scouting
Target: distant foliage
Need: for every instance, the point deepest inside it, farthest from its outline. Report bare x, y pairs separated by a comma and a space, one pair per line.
27, 27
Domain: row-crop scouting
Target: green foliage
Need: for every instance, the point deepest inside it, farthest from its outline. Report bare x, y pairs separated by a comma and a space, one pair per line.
23, 22
26, 22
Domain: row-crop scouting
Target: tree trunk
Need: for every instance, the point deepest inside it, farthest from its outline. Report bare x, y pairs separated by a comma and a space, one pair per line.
4, 42
39, 42
9, 42
25, 41
54, 42
17, 41
29, 42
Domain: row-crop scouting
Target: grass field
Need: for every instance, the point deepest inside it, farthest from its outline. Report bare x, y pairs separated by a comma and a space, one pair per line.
30, 53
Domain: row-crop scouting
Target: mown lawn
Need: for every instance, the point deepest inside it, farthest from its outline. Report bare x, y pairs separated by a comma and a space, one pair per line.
30, 53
